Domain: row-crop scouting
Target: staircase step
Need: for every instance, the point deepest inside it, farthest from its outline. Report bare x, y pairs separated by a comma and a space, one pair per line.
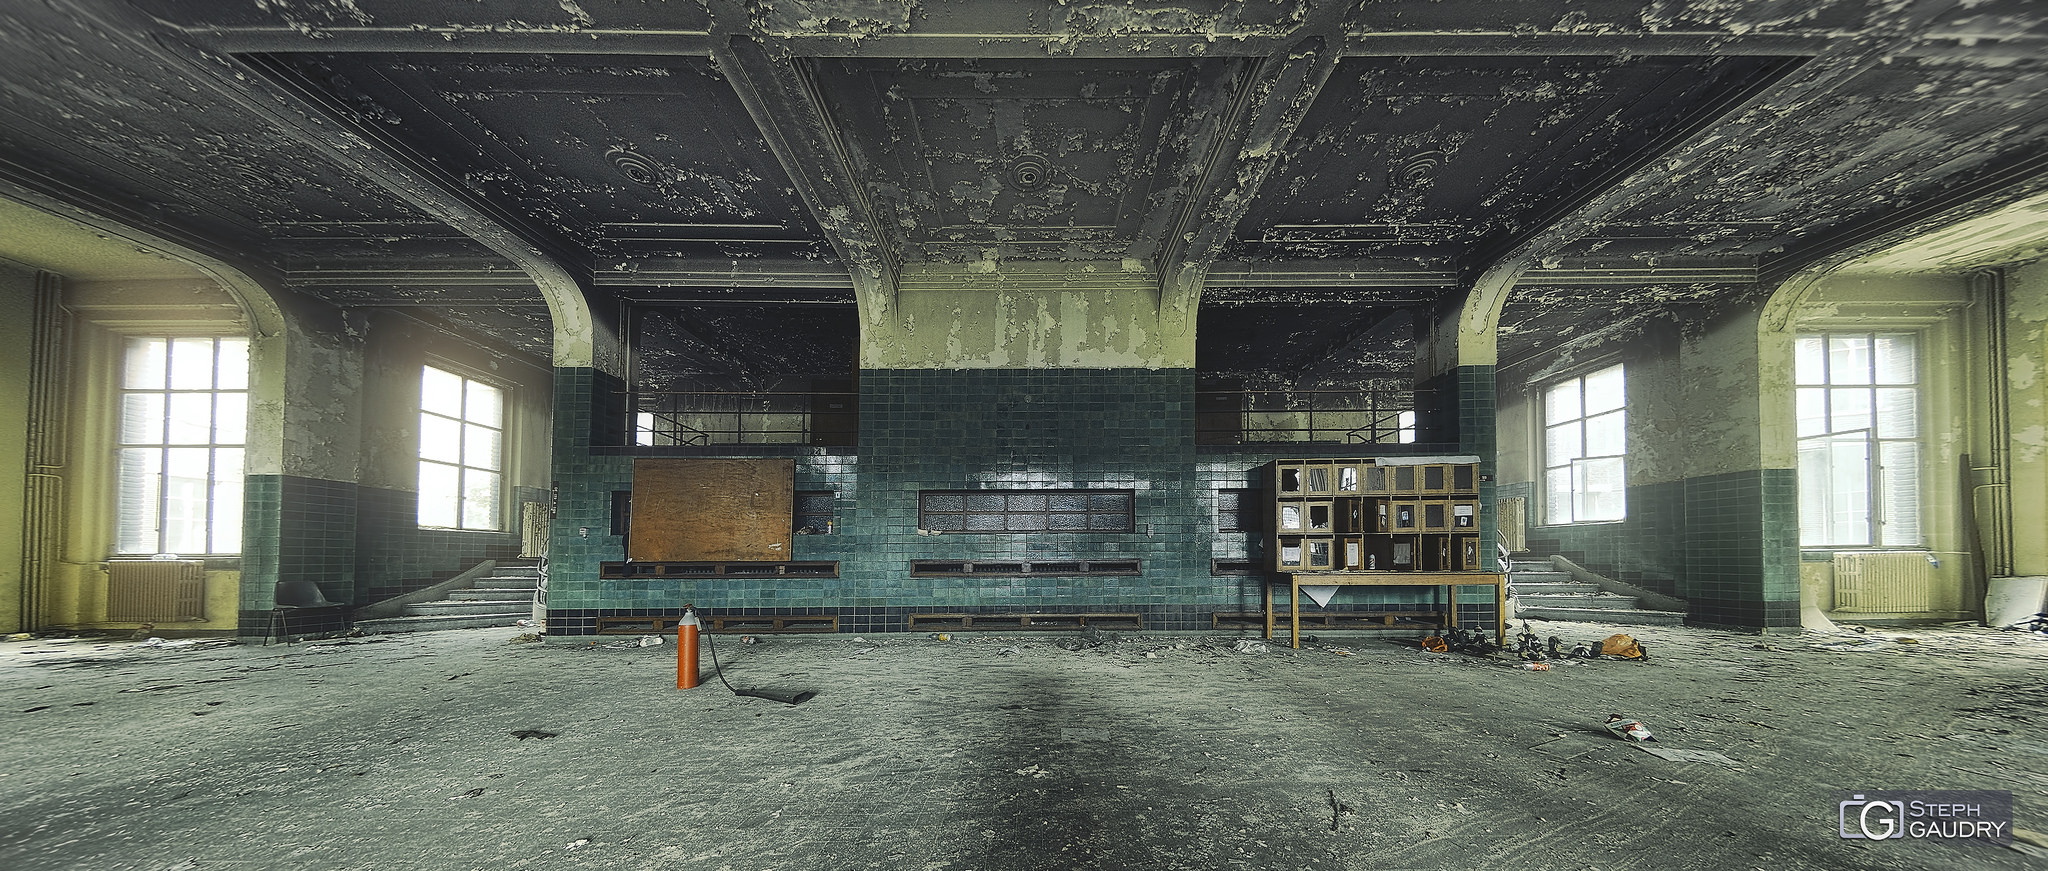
1599, 601
1601, 615
452, 608
388, 625
1519, 566
516, 572
491, 595
1544, 588
505, 584
1542, 575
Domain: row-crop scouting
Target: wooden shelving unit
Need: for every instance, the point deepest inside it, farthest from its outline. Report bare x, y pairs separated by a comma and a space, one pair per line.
1359, 515
1375, 522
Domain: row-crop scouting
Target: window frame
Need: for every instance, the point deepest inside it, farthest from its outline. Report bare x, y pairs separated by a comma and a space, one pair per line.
1877, 520
498, 521
222, 485
1576, 490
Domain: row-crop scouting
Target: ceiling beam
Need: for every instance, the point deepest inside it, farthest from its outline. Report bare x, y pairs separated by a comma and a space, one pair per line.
2009, 179
1246, 139
787, 108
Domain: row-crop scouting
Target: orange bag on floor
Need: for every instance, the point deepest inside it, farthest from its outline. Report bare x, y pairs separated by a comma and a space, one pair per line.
1623, 646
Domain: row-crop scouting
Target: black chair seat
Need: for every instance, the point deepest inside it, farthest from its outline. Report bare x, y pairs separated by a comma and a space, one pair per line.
291, 597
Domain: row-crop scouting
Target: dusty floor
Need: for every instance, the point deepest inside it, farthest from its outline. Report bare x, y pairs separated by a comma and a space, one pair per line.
1148, 752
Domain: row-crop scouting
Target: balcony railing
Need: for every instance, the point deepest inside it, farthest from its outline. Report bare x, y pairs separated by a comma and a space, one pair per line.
1231, 417
832, 418
714, 417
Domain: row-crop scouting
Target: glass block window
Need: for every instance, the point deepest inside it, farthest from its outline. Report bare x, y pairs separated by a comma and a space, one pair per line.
462, 450
1585, 435
184, 422
1025, 510
1858, 398
813, 514
1239, 510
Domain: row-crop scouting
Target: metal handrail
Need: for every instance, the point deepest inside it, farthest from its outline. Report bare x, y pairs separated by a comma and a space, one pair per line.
709, 417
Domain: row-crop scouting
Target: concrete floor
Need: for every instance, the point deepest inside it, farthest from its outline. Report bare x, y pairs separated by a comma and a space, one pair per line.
1149, 752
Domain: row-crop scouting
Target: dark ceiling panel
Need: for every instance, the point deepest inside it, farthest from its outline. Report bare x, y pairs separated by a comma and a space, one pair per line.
1893, 134
680, 345
625, 156
316, 16
1428, 157
143, 134
1031, 159
1607, 16
1259, 338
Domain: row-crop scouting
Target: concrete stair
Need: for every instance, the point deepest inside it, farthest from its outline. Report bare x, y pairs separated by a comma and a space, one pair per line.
503, 598
1543, 593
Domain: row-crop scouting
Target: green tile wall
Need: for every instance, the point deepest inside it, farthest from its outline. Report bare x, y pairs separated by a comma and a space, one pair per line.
1727, 544
1646, 549
952, 430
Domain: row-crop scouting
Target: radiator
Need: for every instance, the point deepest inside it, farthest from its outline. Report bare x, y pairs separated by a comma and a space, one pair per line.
1895, 582
152, 591
534, 518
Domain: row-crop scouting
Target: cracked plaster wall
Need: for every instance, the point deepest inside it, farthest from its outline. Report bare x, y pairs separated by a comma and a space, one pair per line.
17, 295
395, 350
976, 320
1657, 411
2026, 372
321, 365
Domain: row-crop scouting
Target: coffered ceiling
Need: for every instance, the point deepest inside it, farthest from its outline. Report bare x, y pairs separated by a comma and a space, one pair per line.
1332, 173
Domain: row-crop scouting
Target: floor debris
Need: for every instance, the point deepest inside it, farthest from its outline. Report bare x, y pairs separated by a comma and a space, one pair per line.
1632, 730
1673, 754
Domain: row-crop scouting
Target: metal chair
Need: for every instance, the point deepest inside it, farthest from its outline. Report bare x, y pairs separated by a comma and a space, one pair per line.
291, 597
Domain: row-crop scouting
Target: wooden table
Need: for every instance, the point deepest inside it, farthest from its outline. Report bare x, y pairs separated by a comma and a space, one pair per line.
1450, 581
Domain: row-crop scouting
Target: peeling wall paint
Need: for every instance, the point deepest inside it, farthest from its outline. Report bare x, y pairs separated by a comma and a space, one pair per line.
17, 296
322, 368
1727, 370
2026, 343
1043, 316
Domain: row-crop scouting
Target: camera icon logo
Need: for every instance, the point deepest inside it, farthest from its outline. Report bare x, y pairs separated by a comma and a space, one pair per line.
1873, 819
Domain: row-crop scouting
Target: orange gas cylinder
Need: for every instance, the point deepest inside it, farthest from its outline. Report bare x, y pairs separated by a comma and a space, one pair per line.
686, 649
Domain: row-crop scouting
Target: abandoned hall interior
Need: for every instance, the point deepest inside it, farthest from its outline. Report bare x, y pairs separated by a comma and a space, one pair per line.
873, 317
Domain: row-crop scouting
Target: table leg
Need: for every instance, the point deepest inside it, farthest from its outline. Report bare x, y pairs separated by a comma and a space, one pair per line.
1500, 611
1294, 608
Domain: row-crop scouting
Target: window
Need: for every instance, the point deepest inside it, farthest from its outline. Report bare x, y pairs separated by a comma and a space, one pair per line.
813, 514
184, 421
1859, 440
462, 448
1585, 434
1239, 510
1025, 510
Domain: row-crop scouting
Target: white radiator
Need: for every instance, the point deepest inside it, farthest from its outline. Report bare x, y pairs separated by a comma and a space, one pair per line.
155, 591
1889, 582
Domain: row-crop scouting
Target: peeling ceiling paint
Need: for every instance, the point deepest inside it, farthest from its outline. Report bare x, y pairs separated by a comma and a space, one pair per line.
725, 155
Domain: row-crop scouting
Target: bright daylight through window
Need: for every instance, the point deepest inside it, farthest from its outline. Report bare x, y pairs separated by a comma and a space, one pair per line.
1859, 440
184, 420
462, 446
1585, 434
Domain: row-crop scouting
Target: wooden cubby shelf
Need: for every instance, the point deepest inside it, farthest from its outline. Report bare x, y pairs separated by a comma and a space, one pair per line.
1376, 521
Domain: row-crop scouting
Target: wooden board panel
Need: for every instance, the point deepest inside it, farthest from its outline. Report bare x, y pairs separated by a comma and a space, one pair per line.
711, 510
